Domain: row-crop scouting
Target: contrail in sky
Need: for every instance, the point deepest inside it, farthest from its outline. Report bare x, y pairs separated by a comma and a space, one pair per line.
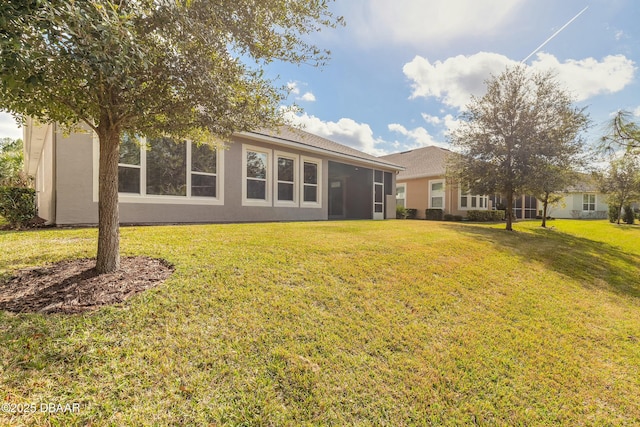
554, 34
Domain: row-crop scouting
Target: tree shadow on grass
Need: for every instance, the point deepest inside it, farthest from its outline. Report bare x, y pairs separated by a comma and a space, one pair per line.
597, 265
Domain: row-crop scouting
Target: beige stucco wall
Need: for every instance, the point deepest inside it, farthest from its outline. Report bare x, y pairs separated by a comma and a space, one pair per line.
417, 196
45, 180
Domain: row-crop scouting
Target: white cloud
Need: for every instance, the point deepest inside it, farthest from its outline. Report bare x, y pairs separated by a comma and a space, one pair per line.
433, 120
636, 112
8, 127
589, 77
308, 97
417, 22
345, 131
455, 79
419, 136
293, 88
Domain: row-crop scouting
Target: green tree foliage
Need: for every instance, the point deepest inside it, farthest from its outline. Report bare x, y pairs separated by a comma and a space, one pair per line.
621, 182
623, 133
188, 69
510, 136
11, 162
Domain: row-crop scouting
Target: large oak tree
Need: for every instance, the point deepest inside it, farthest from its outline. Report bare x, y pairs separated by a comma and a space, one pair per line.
188, 69
525, 122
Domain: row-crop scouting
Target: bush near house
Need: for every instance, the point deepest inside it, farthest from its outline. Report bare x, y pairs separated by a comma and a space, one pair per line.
434, 214
629, 216
17, 205
412, 213
485, 216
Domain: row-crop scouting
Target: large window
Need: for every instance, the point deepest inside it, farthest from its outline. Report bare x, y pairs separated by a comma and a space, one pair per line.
473, 201
161, 170
589, 202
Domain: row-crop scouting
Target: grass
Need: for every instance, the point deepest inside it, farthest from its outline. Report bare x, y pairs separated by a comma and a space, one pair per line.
341, 323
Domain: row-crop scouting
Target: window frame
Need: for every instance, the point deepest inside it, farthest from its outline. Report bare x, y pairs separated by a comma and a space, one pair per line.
404, 199
318, 184
588, 203
144, 198
296, 179
267, 201
481, 202
431, 191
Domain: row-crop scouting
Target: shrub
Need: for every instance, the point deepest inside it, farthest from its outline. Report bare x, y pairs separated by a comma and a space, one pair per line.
448, 217
401, 212
483, 216
629, 216
412, 213
17, 205
613, 213
434, 214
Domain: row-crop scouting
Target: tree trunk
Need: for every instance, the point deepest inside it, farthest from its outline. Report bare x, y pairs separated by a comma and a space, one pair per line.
108, 257
509, 210
620, 212
545, 205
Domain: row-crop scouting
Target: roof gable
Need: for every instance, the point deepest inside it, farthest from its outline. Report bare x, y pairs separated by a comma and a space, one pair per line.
421, 162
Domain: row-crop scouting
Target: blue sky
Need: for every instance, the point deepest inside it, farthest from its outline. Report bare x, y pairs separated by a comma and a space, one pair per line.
402, 70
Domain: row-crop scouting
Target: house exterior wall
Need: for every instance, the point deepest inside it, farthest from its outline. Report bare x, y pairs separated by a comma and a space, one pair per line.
418, 196
571, 206
45, 180
76, 189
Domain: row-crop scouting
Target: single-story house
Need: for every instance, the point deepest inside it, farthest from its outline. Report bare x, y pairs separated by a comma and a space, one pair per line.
423, 184
582, 200
284, 174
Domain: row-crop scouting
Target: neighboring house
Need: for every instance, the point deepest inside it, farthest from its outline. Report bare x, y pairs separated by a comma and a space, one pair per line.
266, 175
423, 184
582, 200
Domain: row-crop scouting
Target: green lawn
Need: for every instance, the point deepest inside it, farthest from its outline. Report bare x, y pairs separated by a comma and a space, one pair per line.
341, 323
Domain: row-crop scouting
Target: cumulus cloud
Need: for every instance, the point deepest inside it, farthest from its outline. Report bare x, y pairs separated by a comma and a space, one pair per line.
419, 137
345, 131
417, 22
308, 97
455, 79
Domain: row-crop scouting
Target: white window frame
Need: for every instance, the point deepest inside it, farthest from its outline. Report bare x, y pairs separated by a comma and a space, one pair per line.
444, 188
318, 163
595, 202
267, 201
481, 202
404, 199
143, 197
296, 179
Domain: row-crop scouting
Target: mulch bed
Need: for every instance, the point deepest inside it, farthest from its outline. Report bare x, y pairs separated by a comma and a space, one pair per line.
74, 286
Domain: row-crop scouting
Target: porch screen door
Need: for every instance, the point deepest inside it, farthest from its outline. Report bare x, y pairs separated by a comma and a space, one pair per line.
378, 194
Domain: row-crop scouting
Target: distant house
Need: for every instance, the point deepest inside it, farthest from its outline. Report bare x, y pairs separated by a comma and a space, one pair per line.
423, 185
582, 200
265, 175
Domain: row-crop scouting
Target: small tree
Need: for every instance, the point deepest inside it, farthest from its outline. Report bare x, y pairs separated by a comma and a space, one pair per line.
188, 69
511, 132
621, 182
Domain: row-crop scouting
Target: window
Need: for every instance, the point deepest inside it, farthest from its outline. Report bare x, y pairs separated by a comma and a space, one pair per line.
311, 179
162, 171
589, 202
472, 201
129, 166
256, 176
286, 179
401, 190
204, 171
378, 194
166, 167
436, 195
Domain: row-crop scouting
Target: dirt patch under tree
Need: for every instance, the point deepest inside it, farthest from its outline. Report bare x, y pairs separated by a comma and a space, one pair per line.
74, 286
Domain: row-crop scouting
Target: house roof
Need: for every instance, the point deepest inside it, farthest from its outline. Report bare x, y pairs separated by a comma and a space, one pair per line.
421, 162
298, 138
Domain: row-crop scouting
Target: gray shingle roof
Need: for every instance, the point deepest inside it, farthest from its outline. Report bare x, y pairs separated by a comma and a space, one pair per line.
421, 162
300, 137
